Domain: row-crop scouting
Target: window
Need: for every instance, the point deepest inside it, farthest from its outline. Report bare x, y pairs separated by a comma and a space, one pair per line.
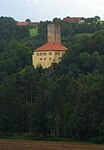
50, 58
50, 53
37, 54
44, 53
55, 53
40, 58
58, 53
44, 58
40, 54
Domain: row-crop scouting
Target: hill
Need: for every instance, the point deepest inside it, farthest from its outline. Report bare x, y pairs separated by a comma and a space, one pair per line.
65, 102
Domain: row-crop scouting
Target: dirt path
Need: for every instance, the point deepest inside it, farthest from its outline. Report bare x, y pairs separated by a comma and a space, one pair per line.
43, 145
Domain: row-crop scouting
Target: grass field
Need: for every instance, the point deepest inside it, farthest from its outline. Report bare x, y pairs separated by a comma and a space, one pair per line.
6, 144
33, 32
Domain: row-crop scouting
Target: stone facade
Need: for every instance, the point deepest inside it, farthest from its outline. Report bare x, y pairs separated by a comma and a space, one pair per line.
54, 33
46, 58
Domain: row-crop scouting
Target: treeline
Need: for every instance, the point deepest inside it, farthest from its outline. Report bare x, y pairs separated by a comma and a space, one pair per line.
67, 101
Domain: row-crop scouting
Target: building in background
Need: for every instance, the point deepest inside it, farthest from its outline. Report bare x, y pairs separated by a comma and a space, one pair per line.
22, 23
51, 52
73, 19
35, 24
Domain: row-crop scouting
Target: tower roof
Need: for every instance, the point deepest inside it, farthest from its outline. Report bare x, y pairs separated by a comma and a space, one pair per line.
52, 46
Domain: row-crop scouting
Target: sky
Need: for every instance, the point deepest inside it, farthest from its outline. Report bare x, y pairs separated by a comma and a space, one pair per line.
42, 10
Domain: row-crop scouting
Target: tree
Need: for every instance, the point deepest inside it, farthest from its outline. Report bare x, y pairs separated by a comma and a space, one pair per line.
89, 20
28, 20
97, 18
57, 20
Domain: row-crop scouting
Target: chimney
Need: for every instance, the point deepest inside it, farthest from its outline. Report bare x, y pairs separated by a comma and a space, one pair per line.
54, 33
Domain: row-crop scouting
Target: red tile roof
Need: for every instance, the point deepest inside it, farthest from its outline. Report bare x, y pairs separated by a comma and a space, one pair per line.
22, 23
52, 46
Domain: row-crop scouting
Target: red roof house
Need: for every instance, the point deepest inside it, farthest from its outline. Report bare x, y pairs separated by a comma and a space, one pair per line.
22, 23
74, 19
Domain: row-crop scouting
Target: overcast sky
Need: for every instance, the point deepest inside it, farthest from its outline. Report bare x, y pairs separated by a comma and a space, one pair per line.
41, 10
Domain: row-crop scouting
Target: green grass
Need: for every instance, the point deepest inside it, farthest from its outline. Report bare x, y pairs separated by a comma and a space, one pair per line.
51, 139
84, 34
33, 32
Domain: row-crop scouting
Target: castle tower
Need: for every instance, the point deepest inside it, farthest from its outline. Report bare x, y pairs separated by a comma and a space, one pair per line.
51, 52
54, 33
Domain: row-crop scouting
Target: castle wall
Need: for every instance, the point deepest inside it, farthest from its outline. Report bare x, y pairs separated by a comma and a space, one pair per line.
46, 58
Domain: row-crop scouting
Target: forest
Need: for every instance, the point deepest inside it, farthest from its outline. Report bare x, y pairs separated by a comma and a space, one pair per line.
65, 102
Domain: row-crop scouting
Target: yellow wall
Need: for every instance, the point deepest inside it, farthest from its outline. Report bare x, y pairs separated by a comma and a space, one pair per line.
46, 58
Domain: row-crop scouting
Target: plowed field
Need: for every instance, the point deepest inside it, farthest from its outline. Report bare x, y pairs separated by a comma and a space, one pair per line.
43, 145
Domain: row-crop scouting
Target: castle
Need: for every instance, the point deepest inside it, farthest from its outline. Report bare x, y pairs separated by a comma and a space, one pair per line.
51, 52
